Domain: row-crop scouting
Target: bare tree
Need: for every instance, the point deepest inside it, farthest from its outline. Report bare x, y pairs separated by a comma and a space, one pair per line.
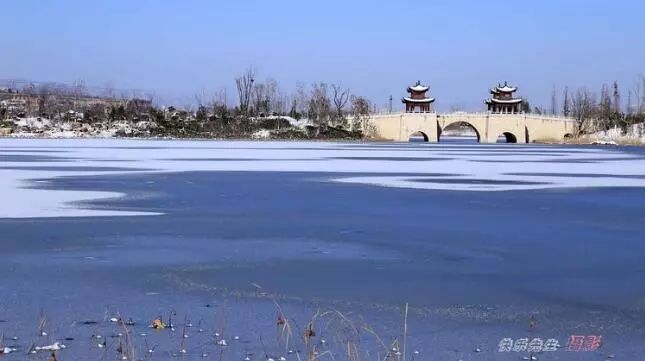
640, 95
456, 107
49, 100
281, 103
293, 107
267, 98
300, 100
259, 100
201, 98
220, 103
244, 85
341, 98
319, 105
79, 88
360, 113
30, 106
95, 112
526, 106
583, 105
272, 96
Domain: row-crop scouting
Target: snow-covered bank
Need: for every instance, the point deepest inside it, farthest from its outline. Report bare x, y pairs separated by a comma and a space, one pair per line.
635, 135
461, 167
273, 127
45, 128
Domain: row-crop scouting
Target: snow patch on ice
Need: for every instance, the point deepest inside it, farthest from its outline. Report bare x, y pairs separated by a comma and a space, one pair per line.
353, 160
21, 200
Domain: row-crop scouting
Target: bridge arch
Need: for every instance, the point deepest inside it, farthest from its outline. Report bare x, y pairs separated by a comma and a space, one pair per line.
508, 137
418, 136
452, 124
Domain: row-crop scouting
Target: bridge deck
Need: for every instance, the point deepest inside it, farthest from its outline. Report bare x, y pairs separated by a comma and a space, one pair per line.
522, 128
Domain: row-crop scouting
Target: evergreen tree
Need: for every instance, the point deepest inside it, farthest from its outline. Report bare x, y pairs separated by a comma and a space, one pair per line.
641, 102
554, 102
616, 98
566, 107
605, 107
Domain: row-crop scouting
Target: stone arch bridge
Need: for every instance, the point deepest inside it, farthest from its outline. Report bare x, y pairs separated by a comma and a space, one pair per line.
517, 128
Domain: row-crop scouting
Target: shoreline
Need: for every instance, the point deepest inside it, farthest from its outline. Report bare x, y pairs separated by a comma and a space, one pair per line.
586, 141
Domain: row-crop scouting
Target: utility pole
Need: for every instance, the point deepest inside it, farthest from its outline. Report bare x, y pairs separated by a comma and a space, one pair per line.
390, 104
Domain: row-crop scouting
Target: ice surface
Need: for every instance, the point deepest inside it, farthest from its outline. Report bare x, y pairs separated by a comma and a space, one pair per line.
475, 167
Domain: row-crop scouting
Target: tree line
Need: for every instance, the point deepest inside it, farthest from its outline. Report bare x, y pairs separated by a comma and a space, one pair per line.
608, 109
328, 110
322, 103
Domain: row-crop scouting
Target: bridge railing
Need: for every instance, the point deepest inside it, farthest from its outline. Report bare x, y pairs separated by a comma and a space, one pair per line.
480, 114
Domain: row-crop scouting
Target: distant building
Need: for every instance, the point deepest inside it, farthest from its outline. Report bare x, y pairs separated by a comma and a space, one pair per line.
503, 101
418, 101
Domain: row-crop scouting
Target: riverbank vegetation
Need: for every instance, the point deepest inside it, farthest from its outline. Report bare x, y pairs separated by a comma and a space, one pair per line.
264, 110
612, 116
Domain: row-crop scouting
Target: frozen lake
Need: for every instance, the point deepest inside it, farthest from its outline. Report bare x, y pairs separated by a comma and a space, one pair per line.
477, 238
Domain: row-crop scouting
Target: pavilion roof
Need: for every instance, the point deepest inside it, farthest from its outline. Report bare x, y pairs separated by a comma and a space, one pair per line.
504, 101
412, 100
503, 89
418, 88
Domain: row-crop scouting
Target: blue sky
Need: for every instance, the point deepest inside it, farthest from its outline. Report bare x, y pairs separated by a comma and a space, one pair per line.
376, 48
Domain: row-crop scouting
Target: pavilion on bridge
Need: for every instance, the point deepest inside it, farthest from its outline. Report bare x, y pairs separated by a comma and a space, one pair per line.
503, 101
418, 101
